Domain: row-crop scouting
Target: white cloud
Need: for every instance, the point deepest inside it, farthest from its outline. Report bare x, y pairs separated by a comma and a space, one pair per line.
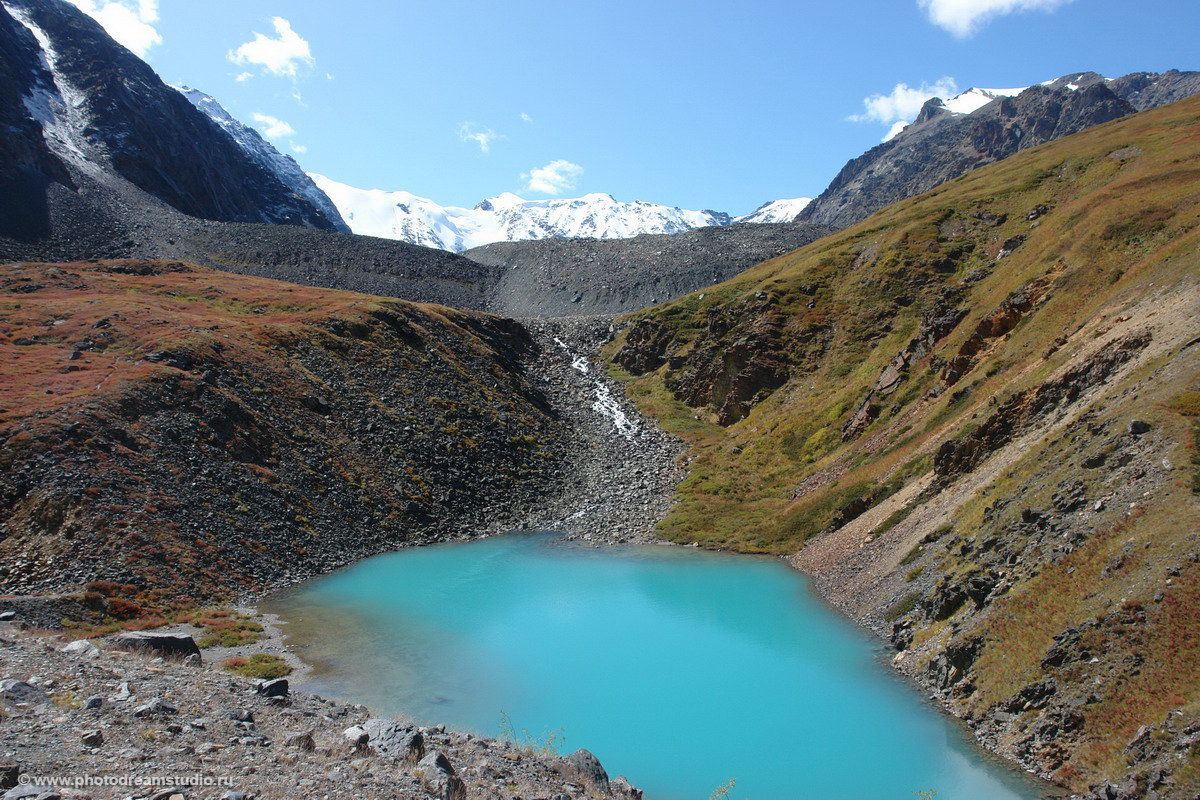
130, 22
903, 102
272, 127
282, 55
484, 138
525, 117
299, 148
242, 77
555, 178
895, 129
964, 17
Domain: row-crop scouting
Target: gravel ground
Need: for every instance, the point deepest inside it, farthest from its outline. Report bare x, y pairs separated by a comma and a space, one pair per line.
104, 714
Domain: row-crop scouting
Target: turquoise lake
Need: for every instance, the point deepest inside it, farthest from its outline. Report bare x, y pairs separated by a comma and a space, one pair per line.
678, 668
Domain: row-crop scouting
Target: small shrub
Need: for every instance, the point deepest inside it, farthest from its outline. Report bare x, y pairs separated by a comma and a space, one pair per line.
1186, 403
120, 608
902, 606
723, 791
265, 666
913, 555
914, 573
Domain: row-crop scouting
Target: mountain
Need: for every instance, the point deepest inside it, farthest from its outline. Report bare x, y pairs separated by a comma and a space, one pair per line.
776, 211
265, 155
973, 419
95, 131
980, 126
101, 159
506, 217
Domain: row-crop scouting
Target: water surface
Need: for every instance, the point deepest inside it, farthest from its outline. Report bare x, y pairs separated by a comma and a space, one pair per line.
678, 668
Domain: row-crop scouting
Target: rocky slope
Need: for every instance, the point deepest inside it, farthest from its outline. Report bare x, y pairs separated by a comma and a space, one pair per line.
592, 276
196, 434
943, 144
973, 419
104, 117
193, 435
100, 712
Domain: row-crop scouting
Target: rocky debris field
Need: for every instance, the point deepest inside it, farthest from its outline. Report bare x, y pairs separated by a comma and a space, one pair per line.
80, 711
619, 477
561, 277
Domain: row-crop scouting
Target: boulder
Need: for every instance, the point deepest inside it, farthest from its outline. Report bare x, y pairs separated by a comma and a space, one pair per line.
356, 736
29, 792
167, 645
273, 688
395, 740
300, 741
15, 691
437, 776
93, 738
587, 768
157, 707
82, 648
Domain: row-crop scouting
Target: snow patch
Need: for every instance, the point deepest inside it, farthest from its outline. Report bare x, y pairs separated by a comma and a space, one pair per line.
974, 99
59, 108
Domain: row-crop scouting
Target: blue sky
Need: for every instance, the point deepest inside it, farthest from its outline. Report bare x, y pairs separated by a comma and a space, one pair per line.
697, 104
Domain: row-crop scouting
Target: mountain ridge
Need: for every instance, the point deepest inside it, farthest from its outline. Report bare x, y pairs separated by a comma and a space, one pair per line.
506, 217
944, 142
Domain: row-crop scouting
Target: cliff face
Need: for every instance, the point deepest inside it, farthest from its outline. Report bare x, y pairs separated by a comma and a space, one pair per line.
197, 434
973, 419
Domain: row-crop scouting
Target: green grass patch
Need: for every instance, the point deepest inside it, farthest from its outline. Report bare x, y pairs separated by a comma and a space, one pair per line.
902, 606
265, 666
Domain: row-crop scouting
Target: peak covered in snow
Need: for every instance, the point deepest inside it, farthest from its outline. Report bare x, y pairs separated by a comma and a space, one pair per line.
507, 217
776, 211
264, 154
974, 99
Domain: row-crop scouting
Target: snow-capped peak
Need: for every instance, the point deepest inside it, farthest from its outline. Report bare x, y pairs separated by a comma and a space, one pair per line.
776, 211
974, 98
507, 217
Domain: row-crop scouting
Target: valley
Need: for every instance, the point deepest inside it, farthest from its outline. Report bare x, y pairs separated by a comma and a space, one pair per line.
893, 491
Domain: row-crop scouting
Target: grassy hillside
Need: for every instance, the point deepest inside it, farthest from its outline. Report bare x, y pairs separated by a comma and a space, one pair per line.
973, 417
189, 434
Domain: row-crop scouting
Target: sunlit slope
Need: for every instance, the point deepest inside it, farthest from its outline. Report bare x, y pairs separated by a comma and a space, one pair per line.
973, 416
194, 434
